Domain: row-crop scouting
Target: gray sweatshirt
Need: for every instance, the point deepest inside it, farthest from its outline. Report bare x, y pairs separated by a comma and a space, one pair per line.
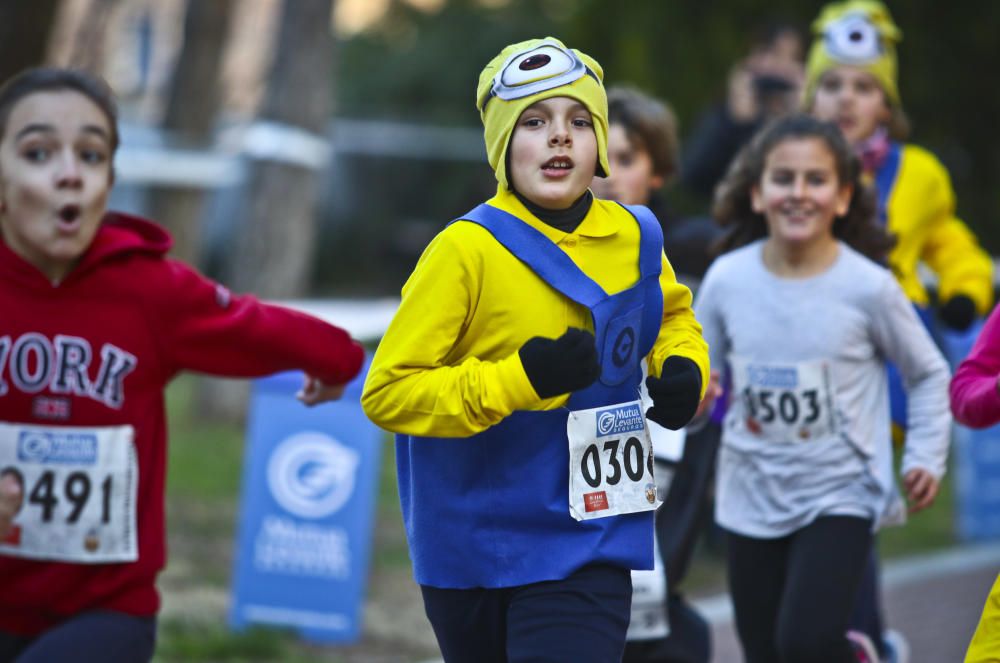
807, 432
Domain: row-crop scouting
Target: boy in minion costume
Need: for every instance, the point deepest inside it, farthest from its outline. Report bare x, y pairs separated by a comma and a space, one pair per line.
512, 372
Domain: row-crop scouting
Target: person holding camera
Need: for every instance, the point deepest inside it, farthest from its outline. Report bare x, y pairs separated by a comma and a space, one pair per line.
764, 85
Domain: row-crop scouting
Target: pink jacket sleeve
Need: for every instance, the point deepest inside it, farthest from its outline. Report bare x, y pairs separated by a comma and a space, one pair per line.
975, 400
206, 328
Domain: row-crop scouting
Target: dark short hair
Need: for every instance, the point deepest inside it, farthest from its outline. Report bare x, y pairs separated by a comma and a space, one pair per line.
649, 123
55, 79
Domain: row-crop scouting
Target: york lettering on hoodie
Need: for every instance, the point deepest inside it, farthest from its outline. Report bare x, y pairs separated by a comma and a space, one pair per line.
63, 366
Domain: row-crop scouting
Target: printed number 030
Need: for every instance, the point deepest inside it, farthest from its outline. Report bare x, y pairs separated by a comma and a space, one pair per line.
632, 459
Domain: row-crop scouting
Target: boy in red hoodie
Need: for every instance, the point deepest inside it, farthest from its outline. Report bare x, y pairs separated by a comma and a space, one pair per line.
96, 321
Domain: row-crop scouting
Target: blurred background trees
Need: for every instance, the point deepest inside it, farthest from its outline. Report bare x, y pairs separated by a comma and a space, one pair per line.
399, 76
422, 66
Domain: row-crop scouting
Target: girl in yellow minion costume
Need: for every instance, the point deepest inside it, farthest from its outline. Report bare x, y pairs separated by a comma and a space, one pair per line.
511, 375
851, 79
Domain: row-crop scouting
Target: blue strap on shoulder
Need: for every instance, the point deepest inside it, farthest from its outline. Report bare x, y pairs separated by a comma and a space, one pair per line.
539, 253
651, 242
552, 264
885, 179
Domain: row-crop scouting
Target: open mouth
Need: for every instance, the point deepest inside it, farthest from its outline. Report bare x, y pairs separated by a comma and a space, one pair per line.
557, 165
69, 215
797, 215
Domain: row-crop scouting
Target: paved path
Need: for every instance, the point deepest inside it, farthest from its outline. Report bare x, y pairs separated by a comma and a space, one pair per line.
935, 601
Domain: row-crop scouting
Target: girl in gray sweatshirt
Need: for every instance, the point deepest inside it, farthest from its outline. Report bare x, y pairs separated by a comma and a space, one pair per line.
805, 320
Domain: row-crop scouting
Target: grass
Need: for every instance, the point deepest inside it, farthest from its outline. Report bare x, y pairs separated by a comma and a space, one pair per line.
203, 487
926, 531
185, 641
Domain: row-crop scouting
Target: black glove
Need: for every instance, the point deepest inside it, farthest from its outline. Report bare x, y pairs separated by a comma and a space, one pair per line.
958, 312
675, 393
560, 365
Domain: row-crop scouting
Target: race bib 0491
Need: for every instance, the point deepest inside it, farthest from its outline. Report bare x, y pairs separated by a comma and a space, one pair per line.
610, 462
78, 488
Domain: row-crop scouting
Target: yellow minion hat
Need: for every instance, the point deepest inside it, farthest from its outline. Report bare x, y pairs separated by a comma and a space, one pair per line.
859, 33
530, 71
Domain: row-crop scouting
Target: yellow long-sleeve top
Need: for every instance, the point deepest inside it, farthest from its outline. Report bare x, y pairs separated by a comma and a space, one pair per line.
921, 214
448, 365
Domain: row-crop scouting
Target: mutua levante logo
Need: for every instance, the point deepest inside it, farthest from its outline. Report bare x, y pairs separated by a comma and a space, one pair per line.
54, 447
776, 377
620, 419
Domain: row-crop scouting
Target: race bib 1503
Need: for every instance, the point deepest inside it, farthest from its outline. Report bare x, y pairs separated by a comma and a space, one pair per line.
785, 402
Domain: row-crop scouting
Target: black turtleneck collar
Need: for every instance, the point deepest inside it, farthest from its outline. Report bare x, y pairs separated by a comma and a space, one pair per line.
565, 220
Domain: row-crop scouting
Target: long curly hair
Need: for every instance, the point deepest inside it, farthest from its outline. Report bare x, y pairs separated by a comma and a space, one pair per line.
732, 208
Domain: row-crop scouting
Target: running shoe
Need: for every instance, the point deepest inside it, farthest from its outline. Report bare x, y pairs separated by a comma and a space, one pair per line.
864, 650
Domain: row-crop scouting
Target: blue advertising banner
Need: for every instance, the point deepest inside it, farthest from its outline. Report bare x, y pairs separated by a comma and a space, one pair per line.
976, 460
306, 513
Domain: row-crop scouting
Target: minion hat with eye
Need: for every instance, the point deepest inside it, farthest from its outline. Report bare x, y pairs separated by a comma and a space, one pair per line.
859, 33
531, 71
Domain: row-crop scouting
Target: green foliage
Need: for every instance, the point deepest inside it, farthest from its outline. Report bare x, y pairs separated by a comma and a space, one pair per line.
929, 530
205, 457
418, 66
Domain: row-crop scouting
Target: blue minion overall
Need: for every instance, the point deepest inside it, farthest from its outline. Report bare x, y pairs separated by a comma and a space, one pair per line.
491, 510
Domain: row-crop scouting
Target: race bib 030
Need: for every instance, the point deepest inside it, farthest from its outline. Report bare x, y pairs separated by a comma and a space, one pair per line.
610, 462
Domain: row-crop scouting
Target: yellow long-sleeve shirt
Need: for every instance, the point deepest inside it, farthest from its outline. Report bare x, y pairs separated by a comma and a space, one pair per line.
448, 365
921, 214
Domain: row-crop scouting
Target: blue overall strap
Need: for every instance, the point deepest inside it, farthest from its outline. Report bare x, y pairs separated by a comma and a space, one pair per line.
535, 250
651, 242
885, 179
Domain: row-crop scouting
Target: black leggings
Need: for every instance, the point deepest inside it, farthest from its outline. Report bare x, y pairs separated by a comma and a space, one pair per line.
793, 595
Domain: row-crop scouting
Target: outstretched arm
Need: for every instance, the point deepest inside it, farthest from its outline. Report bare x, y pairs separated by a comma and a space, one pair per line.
205, 328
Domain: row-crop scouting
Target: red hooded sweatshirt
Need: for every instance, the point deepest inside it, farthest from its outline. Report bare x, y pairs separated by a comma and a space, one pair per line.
97, 350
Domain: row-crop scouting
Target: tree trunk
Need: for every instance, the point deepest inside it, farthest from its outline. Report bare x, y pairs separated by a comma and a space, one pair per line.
274, 255
273, 251
24, 34
192, 106
90, 40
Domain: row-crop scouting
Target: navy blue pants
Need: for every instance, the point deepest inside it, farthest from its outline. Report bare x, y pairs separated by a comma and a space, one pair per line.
580, 619
91, 637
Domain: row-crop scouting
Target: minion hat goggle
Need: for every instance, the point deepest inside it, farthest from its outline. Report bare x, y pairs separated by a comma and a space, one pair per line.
859, 33
528, 72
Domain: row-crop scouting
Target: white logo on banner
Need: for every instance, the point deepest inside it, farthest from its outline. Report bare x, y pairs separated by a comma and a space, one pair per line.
312, 475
